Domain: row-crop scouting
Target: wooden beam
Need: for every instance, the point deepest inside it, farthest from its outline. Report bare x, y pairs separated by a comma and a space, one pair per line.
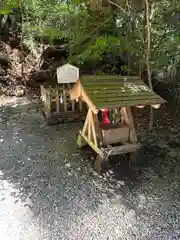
98, 130
95, 148
93, 129
86, 122
123, 149
89, 129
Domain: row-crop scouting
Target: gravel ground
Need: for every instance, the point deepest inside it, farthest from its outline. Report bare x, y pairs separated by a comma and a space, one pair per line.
49, 191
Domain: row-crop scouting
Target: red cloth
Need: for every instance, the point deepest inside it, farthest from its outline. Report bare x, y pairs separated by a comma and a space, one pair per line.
105, 117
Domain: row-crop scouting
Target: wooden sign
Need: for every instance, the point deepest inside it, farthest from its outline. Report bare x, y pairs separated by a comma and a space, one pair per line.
67, 74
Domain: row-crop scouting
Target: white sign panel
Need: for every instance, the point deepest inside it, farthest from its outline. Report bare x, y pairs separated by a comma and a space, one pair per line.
67, 74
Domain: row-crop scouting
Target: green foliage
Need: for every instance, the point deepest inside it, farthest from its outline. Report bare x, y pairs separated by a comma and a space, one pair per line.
93, 34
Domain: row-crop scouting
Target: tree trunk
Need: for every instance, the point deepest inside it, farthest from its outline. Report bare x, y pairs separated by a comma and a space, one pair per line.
148, 55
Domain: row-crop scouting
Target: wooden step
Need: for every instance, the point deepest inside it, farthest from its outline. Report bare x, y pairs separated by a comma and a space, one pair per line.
123, 149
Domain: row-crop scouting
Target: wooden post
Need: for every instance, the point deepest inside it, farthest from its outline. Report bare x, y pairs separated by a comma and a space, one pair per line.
57, 100
41, 90
132, 134
65, 98
73, 105
73, 102
132, 137
49, 100
80, 105
98, 130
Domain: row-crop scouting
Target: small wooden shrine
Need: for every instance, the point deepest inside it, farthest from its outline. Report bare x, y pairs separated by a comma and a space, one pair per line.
57, 106
104, 93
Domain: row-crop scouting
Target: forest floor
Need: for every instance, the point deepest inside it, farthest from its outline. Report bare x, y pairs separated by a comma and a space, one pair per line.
49, 191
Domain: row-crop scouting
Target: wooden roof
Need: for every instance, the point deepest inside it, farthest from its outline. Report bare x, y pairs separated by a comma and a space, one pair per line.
116, 91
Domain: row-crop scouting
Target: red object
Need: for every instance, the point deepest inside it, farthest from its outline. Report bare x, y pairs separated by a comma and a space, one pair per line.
105, 117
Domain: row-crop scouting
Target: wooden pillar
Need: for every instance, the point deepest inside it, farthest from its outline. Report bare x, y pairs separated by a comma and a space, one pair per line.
73, 105
132, 137
65, 98
57, 99
132, 134
80, 105
48, 100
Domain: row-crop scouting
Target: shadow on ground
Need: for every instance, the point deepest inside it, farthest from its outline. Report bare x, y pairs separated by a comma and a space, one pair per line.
65, 199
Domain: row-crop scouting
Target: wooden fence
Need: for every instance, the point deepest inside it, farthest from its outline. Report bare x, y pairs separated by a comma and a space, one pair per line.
56, 101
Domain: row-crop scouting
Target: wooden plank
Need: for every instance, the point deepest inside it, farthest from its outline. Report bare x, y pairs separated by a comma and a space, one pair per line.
100, 99
57, 100
113, 93
93, 129
116, 135
112, 87
89, 128
65, 98
109, 77
119, 104
109, 84
123, 149
116, 90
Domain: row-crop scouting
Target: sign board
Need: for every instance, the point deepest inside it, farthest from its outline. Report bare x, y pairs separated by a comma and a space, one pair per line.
67, 73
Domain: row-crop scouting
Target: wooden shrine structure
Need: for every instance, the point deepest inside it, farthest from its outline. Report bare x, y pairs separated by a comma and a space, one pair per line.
57, 106
102, 93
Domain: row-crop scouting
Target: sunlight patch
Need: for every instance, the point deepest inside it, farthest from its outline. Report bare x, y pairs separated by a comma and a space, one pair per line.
137, 88
13, 101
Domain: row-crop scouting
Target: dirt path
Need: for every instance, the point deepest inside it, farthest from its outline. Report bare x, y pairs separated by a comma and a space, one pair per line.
49, 191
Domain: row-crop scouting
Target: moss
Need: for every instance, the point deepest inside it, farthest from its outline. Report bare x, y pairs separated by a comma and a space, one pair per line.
118, 91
